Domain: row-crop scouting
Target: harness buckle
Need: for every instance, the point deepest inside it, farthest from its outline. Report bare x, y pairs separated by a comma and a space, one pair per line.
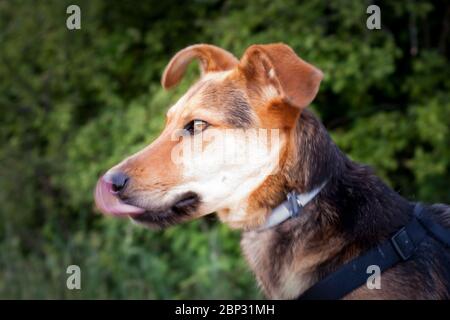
403, 244
294, 207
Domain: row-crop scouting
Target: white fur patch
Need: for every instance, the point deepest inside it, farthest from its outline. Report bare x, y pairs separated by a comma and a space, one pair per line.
228, 168
269, 92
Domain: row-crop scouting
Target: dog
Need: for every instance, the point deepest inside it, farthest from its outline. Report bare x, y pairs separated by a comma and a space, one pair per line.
349, 210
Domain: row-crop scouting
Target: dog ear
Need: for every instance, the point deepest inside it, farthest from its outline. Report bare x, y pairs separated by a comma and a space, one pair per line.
211, 58
297, 81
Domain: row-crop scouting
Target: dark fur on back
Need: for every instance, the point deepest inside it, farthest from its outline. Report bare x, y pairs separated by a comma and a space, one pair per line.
354, 212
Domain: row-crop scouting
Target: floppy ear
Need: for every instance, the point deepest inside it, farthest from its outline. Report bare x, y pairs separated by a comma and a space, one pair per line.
297, 81
211, 58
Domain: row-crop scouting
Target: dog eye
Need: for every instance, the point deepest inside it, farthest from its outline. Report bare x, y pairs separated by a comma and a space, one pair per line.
196, 126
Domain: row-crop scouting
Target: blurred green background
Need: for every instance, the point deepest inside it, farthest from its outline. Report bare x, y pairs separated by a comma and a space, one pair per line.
73, 103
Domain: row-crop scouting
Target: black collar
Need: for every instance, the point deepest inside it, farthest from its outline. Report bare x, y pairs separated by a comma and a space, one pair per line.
400, 247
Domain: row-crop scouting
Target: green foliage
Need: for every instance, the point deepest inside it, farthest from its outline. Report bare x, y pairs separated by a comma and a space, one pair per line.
76, 102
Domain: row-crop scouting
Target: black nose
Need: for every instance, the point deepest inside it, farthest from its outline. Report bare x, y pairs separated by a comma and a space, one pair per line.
119, 181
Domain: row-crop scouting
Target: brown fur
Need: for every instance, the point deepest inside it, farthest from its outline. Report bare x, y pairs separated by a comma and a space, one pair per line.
270, 87
304, 250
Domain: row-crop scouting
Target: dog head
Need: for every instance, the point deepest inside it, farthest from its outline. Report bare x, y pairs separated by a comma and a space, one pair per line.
224, 142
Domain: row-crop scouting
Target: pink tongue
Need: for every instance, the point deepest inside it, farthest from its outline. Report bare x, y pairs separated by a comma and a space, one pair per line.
109, 204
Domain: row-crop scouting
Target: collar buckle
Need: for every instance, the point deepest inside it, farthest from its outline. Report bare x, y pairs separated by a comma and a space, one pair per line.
293, 206
290, 208
403, 244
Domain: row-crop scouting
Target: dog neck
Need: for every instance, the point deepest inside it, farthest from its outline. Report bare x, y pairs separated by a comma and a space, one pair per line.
354, 211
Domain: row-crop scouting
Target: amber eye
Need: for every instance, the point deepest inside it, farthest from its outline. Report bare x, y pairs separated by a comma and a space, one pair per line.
196, 126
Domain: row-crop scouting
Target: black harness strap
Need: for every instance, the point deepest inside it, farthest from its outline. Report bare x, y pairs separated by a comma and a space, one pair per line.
436, 230
399, 247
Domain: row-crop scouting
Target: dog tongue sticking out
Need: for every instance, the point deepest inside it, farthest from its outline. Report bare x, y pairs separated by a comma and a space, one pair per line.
108, 203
